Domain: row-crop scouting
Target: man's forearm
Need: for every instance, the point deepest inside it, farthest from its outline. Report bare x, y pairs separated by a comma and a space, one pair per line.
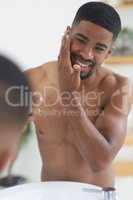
92, 145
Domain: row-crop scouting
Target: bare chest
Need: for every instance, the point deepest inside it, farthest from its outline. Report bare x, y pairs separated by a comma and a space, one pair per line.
51, 115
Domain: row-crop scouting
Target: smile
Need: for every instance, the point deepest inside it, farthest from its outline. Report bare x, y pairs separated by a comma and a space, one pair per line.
84, 67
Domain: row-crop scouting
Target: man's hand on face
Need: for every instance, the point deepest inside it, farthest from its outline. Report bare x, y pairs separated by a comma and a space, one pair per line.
69, 76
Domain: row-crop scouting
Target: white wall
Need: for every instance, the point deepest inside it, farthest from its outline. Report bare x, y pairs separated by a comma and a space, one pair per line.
30, 30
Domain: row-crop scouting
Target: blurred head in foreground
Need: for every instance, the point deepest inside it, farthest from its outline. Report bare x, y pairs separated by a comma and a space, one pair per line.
14, 104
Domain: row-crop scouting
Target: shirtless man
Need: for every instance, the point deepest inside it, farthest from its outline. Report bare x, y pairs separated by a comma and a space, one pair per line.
81, 107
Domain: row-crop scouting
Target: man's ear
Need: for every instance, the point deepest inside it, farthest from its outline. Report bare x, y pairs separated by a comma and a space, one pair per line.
109, 53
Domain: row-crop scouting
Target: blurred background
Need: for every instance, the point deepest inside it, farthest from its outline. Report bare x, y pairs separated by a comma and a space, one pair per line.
30, 33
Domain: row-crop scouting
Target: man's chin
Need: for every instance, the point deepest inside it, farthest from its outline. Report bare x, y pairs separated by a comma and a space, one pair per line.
84, 76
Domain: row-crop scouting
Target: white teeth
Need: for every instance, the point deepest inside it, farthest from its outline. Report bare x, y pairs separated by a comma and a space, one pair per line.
83, 65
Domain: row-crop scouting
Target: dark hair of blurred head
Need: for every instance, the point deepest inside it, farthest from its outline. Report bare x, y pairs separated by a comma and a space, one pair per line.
13, 107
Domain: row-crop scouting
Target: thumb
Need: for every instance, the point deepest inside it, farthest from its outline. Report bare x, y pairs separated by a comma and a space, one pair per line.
76, 69
76, 75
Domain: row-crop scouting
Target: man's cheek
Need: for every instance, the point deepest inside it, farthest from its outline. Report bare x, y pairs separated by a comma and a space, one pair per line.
74, 45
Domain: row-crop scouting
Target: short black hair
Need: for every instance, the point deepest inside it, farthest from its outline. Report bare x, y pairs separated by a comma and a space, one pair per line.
101, 14
11, 76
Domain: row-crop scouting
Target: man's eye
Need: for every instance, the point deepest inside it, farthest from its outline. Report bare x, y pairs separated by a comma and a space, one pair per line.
81, 40
99, 49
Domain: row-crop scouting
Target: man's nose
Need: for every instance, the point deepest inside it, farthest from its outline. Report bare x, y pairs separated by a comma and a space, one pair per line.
87, 53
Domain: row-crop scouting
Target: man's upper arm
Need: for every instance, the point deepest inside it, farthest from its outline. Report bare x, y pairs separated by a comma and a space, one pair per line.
32, 76
112, 123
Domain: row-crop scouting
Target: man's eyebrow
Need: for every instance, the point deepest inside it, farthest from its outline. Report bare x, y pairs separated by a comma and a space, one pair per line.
82, 36
102, 45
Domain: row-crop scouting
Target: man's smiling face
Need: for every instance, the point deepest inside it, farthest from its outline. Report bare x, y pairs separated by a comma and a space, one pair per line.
91, 44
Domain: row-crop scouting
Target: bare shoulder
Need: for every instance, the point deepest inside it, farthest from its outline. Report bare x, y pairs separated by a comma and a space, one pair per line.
119, 89
113, 81
124, 87
40, 73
